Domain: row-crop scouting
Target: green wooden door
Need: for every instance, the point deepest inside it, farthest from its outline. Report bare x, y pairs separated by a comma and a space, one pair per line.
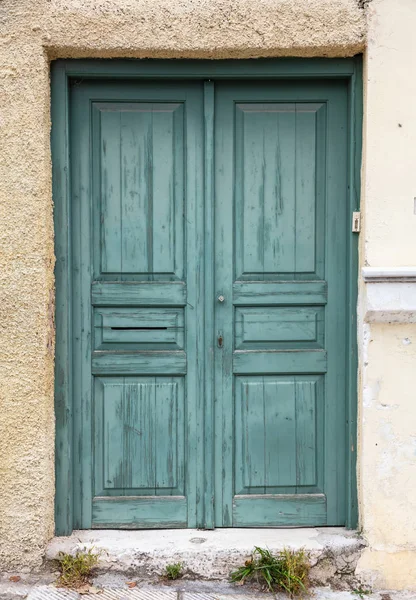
280, 249
138, 306
177, 318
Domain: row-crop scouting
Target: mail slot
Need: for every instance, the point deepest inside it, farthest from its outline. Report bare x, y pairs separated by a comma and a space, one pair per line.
146, 328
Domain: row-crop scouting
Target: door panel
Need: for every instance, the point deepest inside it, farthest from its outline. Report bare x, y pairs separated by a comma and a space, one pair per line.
137, 167
280, 246
275, 178
142, 153
132, 462
275, 433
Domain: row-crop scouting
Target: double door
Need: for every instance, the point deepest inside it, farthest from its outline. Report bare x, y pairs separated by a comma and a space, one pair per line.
209, 303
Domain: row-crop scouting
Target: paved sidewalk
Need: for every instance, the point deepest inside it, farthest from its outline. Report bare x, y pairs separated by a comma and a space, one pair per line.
191, 590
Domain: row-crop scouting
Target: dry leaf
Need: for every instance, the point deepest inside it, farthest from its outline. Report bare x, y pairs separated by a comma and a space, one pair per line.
89, 589
95, 590
84, 589
14, 578
131, 584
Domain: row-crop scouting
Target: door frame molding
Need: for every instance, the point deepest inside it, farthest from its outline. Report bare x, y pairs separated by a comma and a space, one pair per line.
63, 72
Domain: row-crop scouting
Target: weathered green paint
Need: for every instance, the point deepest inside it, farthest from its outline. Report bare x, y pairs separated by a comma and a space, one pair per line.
355, 93
138, 162
281, 215
209, 291
279, 511
171, 427
143, 293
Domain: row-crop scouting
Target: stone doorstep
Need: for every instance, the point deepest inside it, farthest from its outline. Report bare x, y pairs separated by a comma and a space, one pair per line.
212, 555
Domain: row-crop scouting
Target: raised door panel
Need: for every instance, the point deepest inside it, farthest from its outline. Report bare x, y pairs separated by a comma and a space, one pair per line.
142, 153
279, 327
139, 425
278, 172
139, 448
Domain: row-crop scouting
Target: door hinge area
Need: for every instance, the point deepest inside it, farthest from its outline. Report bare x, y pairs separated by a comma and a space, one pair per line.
356, 222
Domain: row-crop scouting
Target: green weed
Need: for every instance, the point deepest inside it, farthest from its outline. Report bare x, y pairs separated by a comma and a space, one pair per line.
174, 571
362, 592
288, 571
76, 569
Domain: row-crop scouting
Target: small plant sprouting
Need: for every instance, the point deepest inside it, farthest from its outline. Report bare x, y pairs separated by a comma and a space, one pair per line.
76, 569
174, 571
362, 592
288, 571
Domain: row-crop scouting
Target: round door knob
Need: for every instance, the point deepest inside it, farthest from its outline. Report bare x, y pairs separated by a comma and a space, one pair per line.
221, 298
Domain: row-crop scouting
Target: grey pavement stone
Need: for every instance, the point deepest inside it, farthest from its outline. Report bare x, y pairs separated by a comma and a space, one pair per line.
181, 591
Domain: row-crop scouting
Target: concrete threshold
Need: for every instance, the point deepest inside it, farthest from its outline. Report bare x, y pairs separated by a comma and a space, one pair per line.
212, 555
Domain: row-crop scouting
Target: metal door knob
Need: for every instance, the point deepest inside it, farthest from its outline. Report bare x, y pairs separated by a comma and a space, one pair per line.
221, 298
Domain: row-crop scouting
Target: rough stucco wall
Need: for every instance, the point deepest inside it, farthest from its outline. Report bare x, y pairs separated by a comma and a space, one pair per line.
32, 32
26, 309
388, 457
202, 28
387, 465
390, 134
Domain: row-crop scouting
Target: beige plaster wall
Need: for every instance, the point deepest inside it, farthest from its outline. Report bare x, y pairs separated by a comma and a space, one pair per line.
390, 134
388, 351
388, 456
32, 32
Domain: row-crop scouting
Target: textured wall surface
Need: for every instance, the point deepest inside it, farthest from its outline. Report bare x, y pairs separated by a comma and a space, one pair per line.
388, 351
189, 28
390, 134
388, 456
32, 32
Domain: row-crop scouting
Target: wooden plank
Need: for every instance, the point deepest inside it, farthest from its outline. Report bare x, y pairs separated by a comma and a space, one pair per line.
279, 292
337, 232
355, 149
145, 512
306, 239
206, 69
320, 192
138, 363
279, 361
136, 168
280, 433
195, 300
280, 200
63, 306
225, 149
82, 240
111, 192
279, 510
209, 427
306, 433
169, 435
249, 426
169, 152
249, 194
138, 293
